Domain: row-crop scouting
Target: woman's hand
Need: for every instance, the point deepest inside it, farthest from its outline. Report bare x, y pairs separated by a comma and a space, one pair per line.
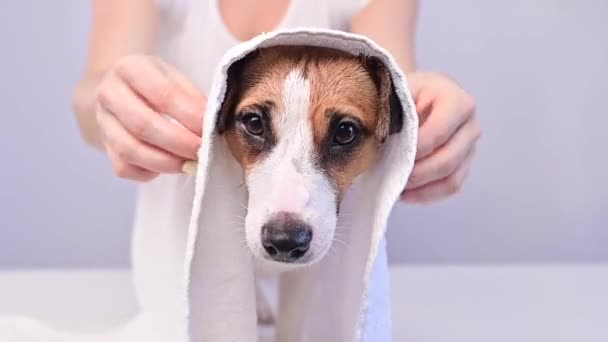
447, 137
449, 129
131, 102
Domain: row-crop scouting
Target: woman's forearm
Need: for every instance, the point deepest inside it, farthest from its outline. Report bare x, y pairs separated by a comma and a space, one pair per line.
392, 24
119, 28
84, 104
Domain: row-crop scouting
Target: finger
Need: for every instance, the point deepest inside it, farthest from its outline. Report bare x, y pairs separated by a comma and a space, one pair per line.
124, 170
129, 150
445, 118
189, 167
446, 159
194, 123
443, 188
144, 123
182, 81
423, 104
164, 90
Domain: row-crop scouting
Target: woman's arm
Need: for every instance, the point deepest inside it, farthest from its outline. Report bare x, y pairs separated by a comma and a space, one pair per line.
449, 129
125, 92
119, 28
392, 24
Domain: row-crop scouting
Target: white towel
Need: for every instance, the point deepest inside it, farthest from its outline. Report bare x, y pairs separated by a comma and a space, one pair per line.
198, 284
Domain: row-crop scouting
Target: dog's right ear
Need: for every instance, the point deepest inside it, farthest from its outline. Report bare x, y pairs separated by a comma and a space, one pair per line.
390, 111
235, 84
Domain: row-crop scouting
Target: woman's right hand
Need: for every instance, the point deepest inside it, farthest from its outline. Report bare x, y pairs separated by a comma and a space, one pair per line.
131, 102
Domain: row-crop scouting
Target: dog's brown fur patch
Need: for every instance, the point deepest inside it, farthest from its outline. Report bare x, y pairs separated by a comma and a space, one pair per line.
339, 83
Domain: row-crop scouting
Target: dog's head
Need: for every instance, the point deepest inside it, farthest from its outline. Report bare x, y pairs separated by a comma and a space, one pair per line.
303, 122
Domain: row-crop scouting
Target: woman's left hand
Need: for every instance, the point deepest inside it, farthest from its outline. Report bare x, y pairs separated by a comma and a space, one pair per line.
447, 137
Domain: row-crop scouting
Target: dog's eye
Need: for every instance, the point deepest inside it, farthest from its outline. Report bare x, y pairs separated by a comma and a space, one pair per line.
253, 124
346, 133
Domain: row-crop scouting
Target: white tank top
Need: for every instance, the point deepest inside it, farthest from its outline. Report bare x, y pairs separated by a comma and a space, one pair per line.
190, 22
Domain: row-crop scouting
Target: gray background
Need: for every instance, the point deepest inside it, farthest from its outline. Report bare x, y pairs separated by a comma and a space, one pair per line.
538, 191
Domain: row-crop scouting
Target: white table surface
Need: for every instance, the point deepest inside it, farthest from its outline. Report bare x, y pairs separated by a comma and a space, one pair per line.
431, 303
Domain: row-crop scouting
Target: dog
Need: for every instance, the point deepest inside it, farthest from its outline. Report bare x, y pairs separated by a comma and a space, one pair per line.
303, 123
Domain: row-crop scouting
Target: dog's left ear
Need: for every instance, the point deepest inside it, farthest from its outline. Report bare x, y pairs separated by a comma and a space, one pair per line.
390, 111
236, 82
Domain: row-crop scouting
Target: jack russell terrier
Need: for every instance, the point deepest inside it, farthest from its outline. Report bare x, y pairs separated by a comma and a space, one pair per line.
303, 122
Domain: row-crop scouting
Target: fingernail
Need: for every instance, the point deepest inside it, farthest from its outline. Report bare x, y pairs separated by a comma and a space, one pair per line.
189, 167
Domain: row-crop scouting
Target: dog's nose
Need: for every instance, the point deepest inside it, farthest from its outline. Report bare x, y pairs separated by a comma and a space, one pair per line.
286, 238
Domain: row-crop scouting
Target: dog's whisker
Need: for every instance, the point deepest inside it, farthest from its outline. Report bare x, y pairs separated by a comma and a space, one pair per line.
330, 253
333, 252
237, 225
342, 242
238, 232
236, 218
239, 203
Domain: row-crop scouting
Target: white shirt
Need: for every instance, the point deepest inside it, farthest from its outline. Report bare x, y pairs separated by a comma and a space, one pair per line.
188, 22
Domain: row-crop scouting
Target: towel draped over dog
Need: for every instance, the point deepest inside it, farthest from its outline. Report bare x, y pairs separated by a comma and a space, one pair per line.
194, 275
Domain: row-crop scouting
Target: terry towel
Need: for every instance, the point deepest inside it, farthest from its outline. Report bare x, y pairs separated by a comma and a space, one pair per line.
194, 275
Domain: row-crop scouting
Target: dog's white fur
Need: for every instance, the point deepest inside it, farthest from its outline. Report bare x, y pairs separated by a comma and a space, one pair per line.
287, 181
